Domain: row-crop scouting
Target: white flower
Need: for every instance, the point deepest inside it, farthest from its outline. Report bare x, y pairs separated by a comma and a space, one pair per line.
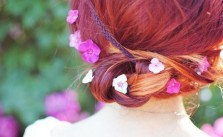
156, 66
88, 77
221, 54
44, 127
120, 83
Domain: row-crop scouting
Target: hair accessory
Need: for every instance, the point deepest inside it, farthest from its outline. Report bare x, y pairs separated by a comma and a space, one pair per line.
120, 83
72, 16
173, 86
75, 39
89, 51
203, 65
108, 35
221, 54
88, 77
156, 66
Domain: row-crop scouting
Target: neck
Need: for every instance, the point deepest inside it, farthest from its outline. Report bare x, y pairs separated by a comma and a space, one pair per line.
156, 114
155, 109
155, 105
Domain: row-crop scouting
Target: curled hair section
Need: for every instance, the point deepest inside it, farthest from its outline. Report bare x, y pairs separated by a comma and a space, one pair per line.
184, 35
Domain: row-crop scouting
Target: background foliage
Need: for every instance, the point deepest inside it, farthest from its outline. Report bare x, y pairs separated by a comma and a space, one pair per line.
35, 60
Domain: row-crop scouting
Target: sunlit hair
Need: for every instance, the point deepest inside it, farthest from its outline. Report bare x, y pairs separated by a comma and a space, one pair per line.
177, 32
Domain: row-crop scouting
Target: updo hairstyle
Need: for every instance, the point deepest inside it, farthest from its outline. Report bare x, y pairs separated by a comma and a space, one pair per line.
180, 33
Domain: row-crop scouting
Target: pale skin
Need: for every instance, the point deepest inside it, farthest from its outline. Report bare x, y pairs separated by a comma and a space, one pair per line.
116, 121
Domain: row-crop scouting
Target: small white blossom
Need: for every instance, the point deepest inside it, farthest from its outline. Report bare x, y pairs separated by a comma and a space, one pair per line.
88, 77
120, 83
156, 66
221, 54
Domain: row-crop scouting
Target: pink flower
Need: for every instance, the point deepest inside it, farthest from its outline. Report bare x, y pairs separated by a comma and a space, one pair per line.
218, 126
156, 66
8, 127
75, 39
90, 51
63, 106
72, 16
173, 86
216, 130
207, 128
203, 65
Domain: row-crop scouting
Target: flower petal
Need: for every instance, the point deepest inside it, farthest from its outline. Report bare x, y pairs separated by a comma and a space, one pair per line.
88, 77
90, 51
122, 89
89, 58
84, 46
120, 84
221, 54
155, 60
122, 78
173, 86
75, 39
72, 16
156, 66
203, 65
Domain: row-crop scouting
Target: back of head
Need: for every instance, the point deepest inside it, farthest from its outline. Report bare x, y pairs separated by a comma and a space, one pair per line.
183, 35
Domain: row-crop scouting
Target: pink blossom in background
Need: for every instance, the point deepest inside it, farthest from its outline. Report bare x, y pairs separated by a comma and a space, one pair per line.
1, 110
207, 128
218, 126
216, 130
8, 127
64, 106
99, 106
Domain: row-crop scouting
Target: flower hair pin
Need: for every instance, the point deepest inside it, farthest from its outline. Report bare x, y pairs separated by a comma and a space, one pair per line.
120, 83
173, 86
156, 66
221, 54
89, 50
203, 66
88, 77
75, 39
90, 53
72, 16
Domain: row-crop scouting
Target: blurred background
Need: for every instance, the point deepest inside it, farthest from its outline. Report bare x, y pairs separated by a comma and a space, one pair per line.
39, 72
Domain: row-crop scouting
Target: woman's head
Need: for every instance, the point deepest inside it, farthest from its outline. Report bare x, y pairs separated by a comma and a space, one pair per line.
182, 34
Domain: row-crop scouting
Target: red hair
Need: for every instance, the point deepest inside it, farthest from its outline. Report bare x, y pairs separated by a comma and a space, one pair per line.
179, 33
